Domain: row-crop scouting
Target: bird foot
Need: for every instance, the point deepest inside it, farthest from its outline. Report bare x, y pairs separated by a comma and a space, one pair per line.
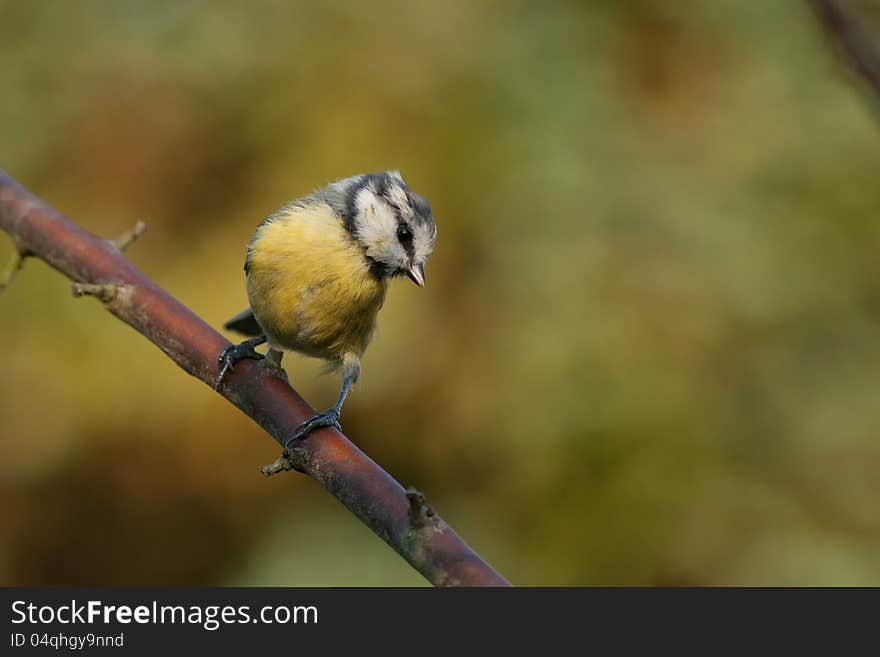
326, 419
231, 355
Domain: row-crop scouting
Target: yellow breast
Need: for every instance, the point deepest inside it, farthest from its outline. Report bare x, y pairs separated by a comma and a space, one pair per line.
310, 286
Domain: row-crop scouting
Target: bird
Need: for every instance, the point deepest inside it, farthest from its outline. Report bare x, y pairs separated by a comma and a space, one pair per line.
317, 272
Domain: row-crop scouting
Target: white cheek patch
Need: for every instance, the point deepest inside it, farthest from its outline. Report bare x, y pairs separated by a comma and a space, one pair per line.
423, 241
377, 229
365, 201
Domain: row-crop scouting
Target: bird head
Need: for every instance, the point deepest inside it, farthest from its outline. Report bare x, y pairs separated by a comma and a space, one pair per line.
393, 224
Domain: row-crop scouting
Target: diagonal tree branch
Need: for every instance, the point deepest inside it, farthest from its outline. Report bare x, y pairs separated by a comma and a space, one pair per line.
850, 39
98, 268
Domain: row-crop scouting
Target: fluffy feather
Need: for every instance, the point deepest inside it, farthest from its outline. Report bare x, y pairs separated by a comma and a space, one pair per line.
310, 286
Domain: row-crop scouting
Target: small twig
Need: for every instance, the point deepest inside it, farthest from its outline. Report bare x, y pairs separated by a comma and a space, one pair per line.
130, 236
105, 293
281, 464
11, 269
292, 458
851, 39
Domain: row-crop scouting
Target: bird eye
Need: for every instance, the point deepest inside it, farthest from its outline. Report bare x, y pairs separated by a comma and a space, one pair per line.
404, 234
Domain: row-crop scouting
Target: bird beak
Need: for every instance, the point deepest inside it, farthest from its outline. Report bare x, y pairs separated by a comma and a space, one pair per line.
416, 274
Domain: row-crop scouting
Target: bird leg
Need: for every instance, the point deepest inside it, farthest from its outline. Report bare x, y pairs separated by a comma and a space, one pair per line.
274, 356
328, 418
273, 362
236, 352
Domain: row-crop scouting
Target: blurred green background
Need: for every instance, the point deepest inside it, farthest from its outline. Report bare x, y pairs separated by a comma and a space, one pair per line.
649, 348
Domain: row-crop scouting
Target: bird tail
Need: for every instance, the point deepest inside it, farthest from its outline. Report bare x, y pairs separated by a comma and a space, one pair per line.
244, 323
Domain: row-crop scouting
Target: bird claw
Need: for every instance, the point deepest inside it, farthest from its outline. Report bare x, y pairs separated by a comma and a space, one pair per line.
326, 419
231, 355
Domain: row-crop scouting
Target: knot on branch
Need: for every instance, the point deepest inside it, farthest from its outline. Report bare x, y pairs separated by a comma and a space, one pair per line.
106, 292
420, 514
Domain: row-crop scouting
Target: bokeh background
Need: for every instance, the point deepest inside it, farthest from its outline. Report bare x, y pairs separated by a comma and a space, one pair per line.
649, 348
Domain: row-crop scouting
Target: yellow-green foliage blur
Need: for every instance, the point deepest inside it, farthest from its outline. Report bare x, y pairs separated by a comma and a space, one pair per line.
649, 347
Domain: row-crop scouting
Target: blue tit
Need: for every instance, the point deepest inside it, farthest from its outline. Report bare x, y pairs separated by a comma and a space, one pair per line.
317, 273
